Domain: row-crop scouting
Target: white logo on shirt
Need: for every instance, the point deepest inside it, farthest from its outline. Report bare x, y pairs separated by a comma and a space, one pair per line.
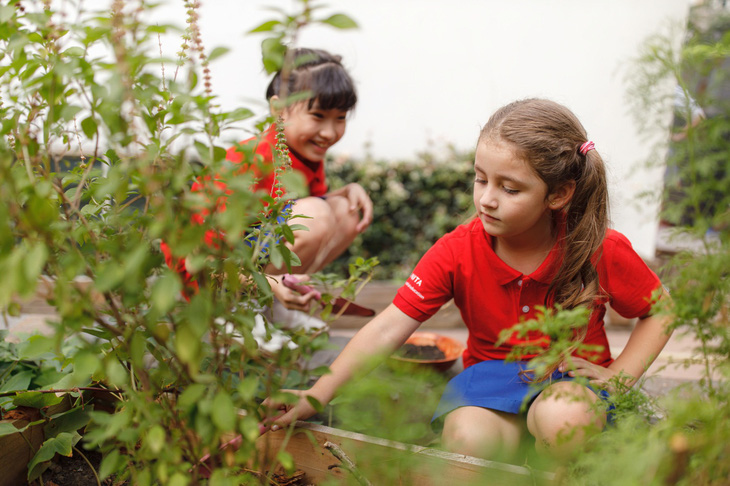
416, 279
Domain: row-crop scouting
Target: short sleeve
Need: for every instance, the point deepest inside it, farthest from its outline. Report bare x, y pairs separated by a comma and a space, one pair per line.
630, 282
430, 285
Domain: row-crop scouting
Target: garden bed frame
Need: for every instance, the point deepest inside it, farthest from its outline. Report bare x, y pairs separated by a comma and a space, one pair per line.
324, 453
15, 451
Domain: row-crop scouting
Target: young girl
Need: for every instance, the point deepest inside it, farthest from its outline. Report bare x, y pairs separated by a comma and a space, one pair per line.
540, 238
311, 127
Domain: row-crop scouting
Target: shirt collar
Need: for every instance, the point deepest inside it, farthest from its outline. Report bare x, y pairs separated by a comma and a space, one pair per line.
504, 274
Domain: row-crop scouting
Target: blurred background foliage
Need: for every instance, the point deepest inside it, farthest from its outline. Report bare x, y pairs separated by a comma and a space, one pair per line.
415, 203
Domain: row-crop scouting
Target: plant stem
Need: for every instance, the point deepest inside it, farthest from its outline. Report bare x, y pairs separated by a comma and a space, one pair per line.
347, 463
93, 471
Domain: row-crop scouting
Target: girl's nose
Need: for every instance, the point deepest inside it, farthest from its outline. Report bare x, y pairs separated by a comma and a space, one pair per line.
488, 199
327, 131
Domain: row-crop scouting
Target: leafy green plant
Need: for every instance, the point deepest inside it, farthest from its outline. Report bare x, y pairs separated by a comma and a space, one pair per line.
689, 444
188, 375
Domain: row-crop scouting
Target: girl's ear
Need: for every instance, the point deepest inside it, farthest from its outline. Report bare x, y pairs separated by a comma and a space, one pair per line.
275, 107
561, 196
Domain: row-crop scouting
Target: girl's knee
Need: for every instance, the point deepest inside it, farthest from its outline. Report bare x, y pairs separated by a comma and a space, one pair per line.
563, 416
481, 433
345, 218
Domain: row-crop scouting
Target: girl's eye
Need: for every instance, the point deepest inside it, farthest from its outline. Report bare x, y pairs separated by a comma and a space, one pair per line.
319, 116
510, 191
478, 180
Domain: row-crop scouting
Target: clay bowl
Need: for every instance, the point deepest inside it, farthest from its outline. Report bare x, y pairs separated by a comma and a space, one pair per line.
451, 348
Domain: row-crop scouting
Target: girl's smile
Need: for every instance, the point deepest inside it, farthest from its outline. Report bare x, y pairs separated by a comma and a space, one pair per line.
310, 132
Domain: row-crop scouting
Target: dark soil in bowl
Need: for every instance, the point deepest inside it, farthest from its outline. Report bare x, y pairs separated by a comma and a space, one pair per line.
425, 352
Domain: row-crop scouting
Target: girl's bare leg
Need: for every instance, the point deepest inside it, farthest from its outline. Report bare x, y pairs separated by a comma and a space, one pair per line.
484, 433
331, 229
563, 417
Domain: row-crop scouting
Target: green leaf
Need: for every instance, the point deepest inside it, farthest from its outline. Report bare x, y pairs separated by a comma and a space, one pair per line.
61, 444
116, 374
74, 52
18, 381
110, 464
248, 387
89, 126
36, 399
69, 421
286, 460
137, 348
190, 397
315, 404
187, 344
156, 439
6, 13
273, 52
224, 412
110, 275
179, 479
265, 27
165, 292
35, 346
35, 260
7, 429
70, 111
276, 258
288, 233
218, 52
341, 21
85, 363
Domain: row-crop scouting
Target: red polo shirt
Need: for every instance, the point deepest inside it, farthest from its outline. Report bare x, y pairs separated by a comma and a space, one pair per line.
493, 296
313, 172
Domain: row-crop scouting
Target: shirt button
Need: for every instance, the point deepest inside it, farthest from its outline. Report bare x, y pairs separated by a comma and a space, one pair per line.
526, 309
519, 283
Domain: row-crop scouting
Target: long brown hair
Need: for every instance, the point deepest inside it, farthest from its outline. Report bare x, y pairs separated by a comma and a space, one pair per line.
548, 136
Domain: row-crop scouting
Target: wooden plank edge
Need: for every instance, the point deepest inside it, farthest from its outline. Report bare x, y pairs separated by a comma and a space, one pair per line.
318, 464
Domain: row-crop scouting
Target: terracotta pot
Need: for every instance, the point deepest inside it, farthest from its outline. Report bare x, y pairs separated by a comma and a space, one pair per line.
451, 348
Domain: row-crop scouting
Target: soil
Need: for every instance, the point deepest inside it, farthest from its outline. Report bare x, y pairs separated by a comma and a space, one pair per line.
75, 471
424, 352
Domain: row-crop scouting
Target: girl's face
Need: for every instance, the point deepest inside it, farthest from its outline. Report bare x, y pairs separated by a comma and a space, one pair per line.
310, 132
510, 199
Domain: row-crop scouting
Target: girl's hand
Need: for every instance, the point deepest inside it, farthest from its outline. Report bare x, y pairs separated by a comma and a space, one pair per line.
291, 299
281, 415
598, 375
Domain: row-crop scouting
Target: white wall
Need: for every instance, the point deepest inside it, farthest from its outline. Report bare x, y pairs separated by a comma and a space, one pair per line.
432, 71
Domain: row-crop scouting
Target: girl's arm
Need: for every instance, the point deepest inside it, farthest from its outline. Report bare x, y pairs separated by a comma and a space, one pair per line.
648, 338
385, 333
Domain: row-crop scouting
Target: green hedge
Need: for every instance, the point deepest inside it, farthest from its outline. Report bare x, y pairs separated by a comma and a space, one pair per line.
415, 203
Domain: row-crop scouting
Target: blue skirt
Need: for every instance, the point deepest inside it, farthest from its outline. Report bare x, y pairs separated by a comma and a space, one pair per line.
496, 385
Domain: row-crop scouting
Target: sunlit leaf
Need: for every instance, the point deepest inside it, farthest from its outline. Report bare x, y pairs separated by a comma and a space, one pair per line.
224, 412
218, 52
36, 399
265, 27
340, 21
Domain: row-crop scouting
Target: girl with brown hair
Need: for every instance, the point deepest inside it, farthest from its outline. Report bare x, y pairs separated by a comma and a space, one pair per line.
540, 238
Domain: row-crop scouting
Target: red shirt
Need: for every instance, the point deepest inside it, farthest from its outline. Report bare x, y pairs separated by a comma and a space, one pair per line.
492, 296
313, 172
264, 148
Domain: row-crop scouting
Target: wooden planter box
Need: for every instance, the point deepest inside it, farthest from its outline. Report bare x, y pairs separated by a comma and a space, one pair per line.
315, 447
15, 451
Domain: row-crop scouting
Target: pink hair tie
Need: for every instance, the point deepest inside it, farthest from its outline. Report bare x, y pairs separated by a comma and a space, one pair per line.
586, 147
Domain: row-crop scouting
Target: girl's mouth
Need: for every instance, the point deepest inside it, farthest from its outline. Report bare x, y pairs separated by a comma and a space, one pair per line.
321, 146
